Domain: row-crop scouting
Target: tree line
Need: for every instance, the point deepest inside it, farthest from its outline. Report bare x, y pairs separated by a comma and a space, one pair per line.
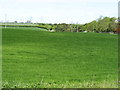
102, 24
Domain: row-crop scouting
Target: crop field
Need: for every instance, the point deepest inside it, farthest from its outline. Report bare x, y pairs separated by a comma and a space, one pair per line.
36, 58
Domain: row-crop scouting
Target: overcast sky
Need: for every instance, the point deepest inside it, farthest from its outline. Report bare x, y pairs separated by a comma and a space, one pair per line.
57, 11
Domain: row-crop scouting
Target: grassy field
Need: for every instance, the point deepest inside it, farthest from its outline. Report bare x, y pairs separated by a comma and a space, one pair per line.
35, 58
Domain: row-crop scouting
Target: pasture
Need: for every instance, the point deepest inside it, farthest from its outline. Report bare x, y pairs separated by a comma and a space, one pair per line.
33, 57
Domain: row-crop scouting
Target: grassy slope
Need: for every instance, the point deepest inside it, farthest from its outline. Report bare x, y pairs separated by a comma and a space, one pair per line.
45, 59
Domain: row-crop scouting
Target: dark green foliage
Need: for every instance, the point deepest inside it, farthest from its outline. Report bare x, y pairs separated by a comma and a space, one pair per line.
103, 24
62, 27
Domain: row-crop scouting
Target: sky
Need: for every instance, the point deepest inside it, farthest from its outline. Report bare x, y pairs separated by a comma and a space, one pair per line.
57, 11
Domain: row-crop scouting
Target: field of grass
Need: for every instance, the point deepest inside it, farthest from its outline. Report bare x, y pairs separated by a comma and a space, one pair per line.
33, 57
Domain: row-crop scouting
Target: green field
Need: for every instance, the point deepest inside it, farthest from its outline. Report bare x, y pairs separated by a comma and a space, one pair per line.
33, 57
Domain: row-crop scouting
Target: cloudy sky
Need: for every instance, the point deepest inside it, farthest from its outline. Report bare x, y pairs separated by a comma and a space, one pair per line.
57, 11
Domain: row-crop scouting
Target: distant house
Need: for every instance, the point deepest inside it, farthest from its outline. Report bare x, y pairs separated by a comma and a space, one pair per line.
85, 31
51, 30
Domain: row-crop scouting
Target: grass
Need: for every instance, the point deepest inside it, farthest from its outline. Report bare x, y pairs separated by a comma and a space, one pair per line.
35, 58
